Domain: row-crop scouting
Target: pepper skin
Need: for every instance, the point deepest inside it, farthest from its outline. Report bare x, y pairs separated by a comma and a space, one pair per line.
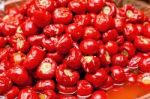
142, 43
66, 76
98, 78
28, 93
5, 84
18, 75
34, 57
47, 69
62, 15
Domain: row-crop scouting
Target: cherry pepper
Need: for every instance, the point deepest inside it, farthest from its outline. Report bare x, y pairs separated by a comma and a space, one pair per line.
73, 60
48, 94
98, 78
45, 85
19, 42
103, 22
90, 63
77, 6
84, 88
66, 76
34, 57
12, 93
47, 69
64, 44
18, 75
41, 18
109, 9
66, 90
28, 93
48, 5
28, 28
142, 43
5, 84
95, 6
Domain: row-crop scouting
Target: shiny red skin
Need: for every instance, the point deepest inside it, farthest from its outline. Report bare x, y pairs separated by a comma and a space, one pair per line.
103, 22
31, 9
5, 85
66, 90
95, 6
99, 95
9, 29
120, 40
104, 56
19, 42
98, 78
77, 6
62, 3
28, 93
109, 9
146, 30
93, 16
134, 61
108, 84
12, 93
3, 41
66, 76
64, 44
130, 32
140, 28
75, 31
10, 24
144, 64
36, 40
54, 30
50, 94
48, 5
119, 24
131, 77
4, 53
60, 96
84, 88
17, 58
41, 18
73, 60
82, 19
50, 44
42, 85
47, 69
89, 47
110, 35
141, 80
34, 57
91, 33
118, 75
62, 16
119, 60
90, 64
28, 28
142, 43
56, 57
132, 14
3, 67
18, 75
112, 47
127, 49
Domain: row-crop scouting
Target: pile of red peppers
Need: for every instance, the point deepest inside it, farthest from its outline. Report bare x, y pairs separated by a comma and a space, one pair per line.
72, 49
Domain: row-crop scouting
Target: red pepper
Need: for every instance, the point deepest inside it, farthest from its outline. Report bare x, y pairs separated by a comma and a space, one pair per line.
34, 57
46, 69
28, 92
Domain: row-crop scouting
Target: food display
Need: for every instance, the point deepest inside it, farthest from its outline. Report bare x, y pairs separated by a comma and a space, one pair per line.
73, 49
